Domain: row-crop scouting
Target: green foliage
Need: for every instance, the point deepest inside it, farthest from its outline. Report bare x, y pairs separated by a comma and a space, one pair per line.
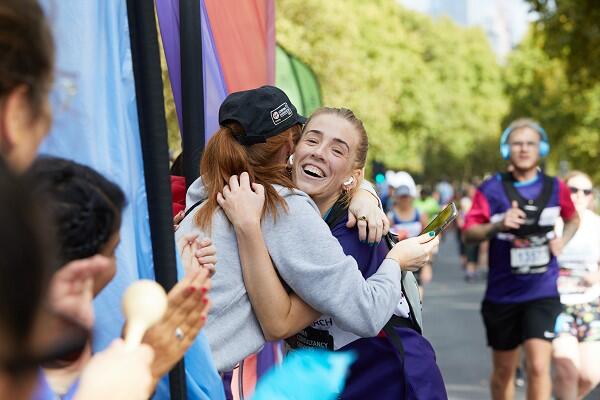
571, 32
430, 92
298, 81
539, 87
555, 76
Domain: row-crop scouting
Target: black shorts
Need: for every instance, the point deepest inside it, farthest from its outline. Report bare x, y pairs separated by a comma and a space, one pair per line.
509, 325
472, 252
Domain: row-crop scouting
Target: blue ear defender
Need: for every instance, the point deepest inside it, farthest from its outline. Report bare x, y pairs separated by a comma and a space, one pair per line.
505, 147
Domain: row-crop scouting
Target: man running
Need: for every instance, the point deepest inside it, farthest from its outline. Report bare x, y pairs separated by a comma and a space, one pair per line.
516, 211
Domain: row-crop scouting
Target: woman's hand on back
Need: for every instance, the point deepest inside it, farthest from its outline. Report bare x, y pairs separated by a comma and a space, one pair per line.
414, 253
177, 220
206, 254
365, 213
186, 314
242, 201
196, 253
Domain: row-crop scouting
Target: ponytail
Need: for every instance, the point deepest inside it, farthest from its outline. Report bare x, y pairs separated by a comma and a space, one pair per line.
225, 156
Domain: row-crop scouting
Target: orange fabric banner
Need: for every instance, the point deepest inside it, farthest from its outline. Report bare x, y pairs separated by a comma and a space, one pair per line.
244, 34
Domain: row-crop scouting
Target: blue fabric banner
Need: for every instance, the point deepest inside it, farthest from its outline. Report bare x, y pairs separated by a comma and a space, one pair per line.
95, 123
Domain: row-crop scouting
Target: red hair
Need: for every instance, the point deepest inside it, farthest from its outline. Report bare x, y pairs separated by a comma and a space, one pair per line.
224, 156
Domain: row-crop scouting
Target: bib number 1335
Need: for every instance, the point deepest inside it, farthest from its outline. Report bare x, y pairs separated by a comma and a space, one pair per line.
529, 257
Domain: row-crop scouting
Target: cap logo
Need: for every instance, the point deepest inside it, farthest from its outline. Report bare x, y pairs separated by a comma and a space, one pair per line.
281, 113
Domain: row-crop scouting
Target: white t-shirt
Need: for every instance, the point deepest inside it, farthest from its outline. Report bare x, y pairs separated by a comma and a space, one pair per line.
582, 253
579, 257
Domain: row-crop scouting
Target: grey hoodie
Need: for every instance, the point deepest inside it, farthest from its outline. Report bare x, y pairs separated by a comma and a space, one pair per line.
309, 259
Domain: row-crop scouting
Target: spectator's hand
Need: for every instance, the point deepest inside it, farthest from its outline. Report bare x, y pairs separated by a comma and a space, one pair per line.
241, 201
197, 253
513, 218
72, 288
117, 373
206, 253
414, 253
591, 278
364, 212
177, 220
186, 314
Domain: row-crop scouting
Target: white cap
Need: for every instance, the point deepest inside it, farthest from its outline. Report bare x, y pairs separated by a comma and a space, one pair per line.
402, 182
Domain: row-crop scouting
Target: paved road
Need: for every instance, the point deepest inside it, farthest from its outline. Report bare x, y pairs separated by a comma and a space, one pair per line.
454, 327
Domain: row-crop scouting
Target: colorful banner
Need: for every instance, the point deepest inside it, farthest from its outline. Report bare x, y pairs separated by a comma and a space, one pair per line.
238, 53
298, 81
244, 35
95, 123
238, 49
214, 83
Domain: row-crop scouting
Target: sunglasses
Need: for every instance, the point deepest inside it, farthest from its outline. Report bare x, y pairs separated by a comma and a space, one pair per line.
574, 190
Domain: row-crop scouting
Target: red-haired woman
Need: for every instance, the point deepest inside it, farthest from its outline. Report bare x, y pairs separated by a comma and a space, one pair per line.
327, 165
258, 132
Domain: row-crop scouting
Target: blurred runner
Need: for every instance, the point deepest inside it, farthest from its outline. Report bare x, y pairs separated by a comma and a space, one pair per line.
577, 347
428, 203
406, 220
517, 211
446, 191
469, 252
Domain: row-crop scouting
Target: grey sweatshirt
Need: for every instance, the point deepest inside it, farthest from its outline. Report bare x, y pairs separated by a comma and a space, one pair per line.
309, 259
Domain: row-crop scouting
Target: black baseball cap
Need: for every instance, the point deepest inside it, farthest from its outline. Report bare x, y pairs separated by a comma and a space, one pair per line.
262, 112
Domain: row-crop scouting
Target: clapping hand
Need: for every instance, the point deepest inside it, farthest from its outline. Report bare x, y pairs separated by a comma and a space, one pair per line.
71, 288
186, 313
117, 373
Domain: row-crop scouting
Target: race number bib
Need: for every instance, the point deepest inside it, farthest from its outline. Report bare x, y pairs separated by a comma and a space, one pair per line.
529, 259
323, 333
311, 337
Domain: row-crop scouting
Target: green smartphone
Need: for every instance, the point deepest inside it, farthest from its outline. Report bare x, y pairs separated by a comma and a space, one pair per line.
442, 220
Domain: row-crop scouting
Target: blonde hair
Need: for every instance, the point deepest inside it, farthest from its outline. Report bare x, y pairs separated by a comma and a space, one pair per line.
574, 173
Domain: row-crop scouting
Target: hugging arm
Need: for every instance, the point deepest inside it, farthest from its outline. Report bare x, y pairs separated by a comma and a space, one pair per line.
312, 262
365, 211
280, 314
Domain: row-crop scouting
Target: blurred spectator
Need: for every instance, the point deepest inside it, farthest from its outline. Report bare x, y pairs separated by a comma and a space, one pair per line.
577, 348
428, 203
446, 191
469, 252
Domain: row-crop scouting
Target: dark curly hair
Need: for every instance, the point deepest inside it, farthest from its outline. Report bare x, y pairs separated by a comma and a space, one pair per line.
85, 206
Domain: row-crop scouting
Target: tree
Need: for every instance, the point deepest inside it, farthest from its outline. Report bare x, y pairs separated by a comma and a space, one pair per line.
539, 87
430, 92
571, 33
